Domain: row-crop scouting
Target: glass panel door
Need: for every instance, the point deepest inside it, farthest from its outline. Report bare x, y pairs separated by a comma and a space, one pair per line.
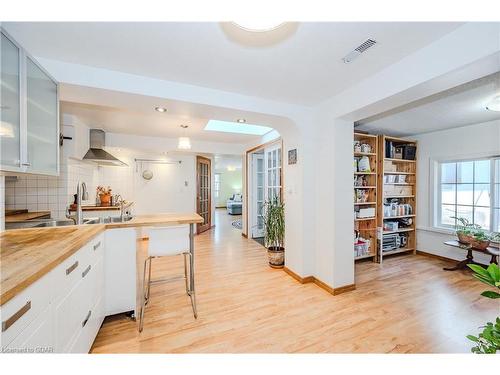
273, 163
42, 120
259, 196
204, 206
10, 121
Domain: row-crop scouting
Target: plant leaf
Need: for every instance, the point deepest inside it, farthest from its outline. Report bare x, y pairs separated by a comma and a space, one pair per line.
483, 279
472, 338
479, 270
494, 272
490, 294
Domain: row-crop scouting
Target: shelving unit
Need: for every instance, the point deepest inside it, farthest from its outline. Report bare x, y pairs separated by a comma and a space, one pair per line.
366, 227
396, 182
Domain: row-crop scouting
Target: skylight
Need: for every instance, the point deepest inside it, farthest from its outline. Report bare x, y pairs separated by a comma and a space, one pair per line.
235, 127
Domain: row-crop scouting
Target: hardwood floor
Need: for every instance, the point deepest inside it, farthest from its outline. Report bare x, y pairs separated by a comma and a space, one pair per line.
408, 305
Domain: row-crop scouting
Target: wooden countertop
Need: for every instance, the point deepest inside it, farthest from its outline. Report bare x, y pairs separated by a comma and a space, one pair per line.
28, 254
14, 218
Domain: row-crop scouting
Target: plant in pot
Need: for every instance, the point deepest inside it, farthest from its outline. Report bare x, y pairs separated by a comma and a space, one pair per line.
488, 341
274, 231
473, 234
104, 194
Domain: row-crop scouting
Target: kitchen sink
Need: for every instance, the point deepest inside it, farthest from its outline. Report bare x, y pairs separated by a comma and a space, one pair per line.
54, 223
39, 223
43, 223
107, 220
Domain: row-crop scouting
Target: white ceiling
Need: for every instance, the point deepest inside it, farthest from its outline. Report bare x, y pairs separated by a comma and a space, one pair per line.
459, 106
147, 122
305, 69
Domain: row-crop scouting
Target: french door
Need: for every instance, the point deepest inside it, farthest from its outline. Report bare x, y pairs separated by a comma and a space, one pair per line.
272, 161
258, 195
266, 184
203, 193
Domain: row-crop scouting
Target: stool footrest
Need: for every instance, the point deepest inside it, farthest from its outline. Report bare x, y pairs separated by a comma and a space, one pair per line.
167, 280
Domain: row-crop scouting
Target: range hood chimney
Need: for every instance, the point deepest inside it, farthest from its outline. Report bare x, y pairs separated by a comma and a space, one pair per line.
96, 152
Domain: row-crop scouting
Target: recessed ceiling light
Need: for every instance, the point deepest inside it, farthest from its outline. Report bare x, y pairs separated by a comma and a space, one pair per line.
494, 104
160, 109
258, 26
241, 120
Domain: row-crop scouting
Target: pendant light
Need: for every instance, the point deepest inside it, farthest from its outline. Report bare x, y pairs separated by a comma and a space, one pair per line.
184, 141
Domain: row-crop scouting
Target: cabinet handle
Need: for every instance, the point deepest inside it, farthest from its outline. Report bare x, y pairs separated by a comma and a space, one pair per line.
97, 245
71, 268
84, 273
26, 164
86, 319
14, 318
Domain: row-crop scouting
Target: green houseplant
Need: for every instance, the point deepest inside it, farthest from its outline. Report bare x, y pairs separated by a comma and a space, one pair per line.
473, 234
488, 341
274, 231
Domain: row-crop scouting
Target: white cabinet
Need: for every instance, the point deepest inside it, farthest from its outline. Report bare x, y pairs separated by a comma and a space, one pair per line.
38, 337
10, 110
42, 121
120, 270
62, 311
29, 131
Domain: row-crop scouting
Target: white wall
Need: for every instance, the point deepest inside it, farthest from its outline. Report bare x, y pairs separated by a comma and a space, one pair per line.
477, 140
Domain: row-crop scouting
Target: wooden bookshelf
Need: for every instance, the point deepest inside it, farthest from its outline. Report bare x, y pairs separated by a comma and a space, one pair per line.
396, 183
366, 227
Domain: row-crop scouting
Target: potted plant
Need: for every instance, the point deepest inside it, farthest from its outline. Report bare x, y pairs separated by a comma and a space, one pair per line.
274, 231
104, 195
488, 341
473, 234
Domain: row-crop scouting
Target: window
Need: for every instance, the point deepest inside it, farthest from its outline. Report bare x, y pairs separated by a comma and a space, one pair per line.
469, 189
217, 185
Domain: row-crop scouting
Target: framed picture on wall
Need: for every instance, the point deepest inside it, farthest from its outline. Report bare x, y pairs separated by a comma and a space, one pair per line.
292, 156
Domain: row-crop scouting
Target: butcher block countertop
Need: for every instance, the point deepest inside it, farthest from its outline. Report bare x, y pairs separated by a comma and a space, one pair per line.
16, 217
28, 254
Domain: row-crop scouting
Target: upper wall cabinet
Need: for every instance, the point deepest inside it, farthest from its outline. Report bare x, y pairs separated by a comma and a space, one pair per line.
29, 113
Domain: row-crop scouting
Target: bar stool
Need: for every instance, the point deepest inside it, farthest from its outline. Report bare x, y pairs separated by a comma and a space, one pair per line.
168, 241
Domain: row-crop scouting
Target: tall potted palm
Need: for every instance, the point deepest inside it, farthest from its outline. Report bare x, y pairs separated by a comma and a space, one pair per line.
274, 231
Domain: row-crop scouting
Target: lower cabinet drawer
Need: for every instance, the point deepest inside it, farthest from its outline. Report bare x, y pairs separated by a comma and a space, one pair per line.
21, 310
90, 327
37, 337
74, 311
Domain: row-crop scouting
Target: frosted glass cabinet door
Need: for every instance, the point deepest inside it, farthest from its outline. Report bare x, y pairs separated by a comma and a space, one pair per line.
10, 140
42, 121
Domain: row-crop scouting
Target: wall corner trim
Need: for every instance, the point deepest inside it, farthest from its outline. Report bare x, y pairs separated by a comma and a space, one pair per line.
321, 284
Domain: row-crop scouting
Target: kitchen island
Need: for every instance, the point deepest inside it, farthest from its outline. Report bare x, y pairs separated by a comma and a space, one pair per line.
36, 264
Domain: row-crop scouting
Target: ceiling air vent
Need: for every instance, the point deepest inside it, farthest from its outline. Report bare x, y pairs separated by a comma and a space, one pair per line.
359, 50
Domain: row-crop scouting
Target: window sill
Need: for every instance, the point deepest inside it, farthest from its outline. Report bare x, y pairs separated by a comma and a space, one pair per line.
437, 230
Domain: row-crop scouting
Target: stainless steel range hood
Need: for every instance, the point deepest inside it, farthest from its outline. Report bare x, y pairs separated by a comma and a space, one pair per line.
96, 152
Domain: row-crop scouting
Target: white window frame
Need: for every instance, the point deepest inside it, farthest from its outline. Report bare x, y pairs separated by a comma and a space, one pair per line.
217, 177
436, 193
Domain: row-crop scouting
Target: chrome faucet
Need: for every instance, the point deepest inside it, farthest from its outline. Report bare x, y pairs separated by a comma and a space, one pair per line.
119, 199
81, 194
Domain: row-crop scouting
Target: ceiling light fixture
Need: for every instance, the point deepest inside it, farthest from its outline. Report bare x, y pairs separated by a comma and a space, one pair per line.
258, 26
241, 120
184, 141
494, 104
160, 109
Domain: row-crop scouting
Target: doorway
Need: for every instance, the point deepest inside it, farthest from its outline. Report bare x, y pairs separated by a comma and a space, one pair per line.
203, 193
264, 183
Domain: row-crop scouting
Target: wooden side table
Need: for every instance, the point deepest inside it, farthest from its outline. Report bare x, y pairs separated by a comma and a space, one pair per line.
469, 259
